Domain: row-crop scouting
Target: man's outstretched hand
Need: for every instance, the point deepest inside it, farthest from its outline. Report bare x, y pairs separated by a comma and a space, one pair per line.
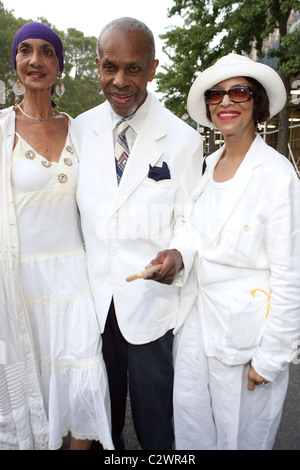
172, 263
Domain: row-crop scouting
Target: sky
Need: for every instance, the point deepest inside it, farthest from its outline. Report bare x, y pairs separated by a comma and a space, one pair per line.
90, 16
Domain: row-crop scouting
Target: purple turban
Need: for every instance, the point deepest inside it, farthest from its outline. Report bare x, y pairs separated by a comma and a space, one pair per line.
38, 31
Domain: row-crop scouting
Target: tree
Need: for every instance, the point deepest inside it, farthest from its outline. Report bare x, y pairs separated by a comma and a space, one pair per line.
80, 78
217, 27
8, 26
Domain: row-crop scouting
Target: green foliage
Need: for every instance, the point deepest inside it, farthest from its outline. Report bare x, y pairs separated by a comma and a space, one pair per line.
8, 26
81, 94
80, 78
289, 54
214, 28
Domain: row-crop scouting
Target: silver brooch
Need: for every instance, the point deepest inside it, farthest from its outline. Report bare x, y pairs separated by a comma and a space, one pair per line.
46, 163
70, 149
68, 161
30, 154
62, 178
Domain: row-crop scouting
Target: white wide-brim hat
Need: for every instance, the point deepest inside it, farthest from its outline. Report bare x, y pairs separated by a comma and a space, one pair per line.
230, 66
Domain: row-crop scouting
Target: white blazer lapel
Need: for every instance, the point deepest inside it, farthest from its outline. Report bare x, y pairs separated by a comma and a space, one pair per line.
102, 148
8, 131
211, 163
240, 182
146, 151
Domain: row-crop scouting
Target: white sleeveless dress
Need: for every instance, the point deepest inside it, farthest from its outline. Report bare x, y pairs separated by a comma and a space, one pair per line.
55, 285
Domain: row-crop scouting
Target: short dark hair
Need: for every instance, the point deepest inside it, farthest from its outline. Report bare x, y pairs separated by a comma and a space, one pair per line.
129, 25
261, 110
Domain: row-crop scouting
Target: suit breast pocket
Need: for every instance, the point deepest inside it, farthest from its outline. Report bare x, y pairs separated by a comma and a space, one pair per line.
156, 194
246, 242
165, 184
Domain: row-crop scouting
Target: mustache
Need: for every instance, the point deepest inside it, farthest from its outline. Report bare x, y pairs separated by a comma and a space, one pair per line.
122, 90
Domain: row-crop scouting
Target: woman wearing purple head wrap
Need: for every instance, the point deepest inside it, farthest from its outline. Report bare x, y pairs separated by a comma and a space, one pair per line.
38, 31
54, 378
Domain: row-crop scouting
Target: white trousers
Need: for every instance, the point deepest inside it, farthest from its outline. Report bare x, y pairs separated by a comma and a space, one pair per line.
213, 409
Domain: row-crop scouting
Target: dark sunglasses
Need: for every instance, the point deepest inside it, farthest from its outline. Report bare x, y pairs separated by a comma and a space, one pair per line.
237, 94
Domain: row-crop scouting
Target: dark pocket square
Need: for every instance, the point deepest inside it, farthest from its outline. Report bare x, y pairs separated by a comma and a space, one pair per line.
158, 173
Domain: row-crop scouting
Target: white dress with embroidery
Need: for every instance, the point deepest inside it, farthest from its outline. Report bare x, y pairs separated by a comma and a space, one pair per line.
55, 284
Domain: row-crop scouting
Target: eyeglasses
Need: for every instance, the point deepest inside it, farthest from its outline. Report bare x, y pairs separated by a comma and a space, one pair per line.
237, 94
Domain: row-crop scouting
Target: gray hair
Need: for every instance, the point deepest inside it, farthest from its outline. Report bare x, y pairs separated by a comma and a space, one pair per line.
128, 24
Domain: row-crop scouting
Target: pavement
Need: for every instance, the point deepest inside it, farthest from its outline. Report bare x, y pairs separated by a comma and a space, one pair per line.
288, 435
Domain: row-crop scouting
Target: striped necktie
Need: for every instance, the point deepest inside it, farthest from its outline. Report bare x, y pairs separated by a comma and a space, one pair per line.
121, 148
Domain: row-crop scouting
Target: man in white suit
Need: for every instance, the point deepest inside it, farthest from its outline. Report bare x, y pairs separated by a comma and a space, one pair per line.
127, 219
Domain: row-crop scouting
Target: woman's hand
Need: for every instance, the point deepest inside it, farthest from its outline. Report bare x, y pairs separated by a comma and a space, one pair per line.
254, 379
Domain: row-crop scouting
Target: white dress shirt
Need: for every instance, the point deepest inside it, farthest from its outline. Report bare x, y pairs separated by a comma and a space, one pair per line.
135, 122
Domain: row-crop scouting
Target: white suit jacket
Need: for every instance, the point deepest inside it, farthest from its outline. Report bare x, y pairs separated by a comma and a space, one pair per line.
255, 246
125, 226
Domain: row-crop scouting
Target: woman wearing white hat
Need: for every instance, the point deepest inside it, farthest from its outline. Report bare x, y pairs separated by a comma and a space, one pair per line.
245, 220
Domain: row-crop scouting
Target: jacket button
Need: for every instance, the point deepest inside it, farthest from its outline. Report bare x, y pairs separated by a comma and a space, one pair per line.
246, 228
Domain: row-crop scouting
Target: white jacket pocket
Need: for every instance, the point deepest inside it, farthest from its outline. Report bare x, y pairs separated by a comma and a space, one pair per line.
246, 322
